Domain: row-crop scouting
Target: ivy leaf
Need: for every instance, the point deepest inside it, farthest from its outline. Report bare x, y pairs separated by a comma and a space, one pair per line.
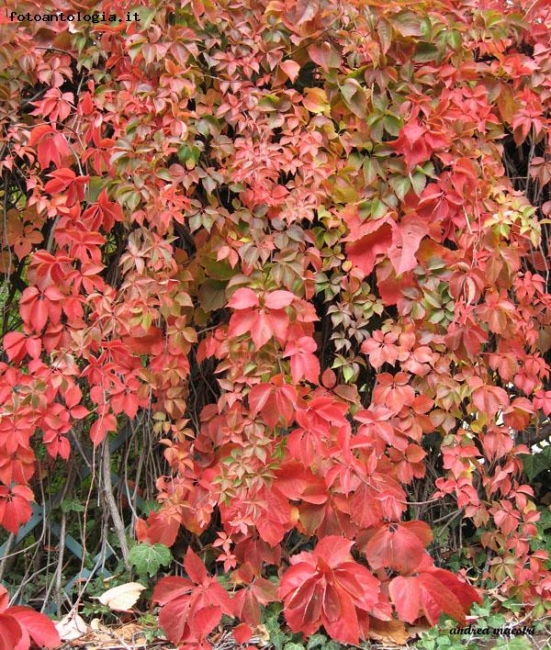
537, 462
149, 559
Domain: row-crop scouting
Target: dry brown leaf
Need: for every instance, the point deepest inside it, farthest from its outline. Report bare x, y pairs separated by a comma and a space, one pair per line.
388, 632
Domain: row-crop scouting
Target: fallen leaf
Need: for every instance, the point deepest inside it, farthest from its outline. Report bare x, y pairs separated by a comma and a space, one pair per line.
70, 627
123, 597
388, 632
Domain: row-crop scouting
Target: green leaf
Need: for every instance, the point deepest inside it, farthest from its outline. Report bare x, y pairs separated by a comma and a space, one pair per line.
316, 641
212, 294
149, 559
537, 462
392, 124
72, 505
376, 123
400, 185
354, 97
94, 188
378, 208
277, 638
136, 46
454, 39
370, 168
425, 52
322, 642
292, 645
145, 16
418, 182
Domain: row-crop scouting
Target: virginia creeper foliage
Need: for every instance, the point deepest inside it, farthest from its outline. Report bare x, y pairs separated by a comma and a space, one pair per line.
309, 239
21, 626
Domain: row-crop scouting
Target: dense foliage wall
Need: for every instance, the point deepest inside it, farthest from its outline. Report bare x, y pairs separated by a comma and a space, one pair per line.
309, 242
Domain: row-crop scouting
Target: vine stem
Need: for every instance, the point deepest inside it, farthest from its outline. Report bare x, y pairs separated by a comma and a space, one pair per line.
107, 489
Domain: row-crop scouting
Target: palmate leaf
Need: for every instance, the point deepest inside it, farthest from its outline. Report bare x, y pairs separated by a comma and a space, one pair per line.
19, 625
148, 559
327, 587
398, 546
431, 593
191, 610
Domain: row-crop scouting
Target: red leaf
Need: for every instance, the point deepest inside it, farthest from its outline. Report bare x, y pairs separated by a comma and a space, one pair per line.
161, 528
395, 547
4, 599
305, 11
304, 364
72, 396
431, 593
243, 298
333, 550
39, 627
328, 588
242, 633
412, 144
437, 599
344, 625
324, 55
194, 567
173, 618
191, 611
101, 427
276, 403
406, 237
291, 69
51, 145
261, 330
405, 593
279, 299
276, 519
12, 636
466, 594
278, 322
365, 252
169, 588
65, 180
241, 322
490, 399
204, 620
15, 346
15, 507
